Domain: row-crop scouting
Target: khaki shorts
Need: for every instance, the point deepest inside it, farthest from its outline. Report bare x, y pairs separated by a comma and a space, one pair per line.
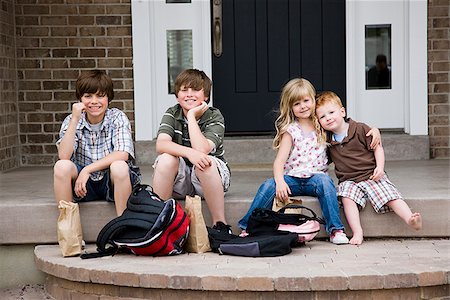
187, 183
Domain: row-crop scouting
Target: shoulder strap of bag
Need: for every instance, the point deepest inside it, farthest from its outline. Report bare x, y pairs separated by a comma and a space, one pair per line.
313, 216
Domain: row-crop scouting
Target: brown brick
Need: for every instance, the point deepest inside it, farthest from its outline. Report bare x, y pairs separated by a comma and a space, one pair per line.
441, 22
33, 128
82, 63
63, 31
50, 149
35, 31
440, 153
27, 42
438, 120
92, 31
441, 66
29, 85
38, 96
27, 20
55, 63
109, 42
61, 106
118, 9
65, 52
63, 10
438, 55
36, 9
441, 109
441, 44
119, 31
53, 42
40, 138
81, 20
441, 131
110, 63
436, 142
30, 53
60, 96
29, 106
442, 88
125, 52
32, 149
81, 42
37, 74
108, 20
53, 20
92, 9
55, 85
92, 52
39, 117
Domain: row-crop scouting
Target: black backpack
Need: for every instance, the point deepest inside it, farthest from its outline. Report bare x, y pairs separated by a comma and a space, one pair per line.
148, 226
264, 245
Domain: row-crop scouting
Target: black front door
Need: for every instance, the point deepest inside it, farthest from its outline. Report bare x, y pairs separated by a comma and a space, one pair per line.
265, 44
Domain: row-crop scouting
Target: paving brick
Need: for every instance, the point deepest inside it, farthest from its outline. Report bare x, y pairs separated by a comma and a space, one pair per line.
255, 284
219, 283
182, 282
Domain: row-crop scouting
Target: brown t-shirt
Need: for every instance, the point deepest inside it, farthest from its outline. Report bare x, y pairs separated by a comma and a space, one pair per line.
353, 158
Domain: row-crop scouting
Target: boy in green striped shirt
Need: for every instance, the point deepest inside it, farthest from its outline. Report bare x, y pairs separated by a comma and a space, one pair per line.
190, 147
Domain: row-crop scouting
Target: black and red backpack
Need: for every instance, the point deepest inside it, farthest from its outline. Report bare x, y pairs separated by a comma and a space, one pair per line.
148, 226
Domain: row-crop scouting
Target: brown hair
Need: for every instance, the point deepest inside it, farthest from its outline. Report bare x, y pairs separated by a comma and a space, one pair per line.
92, 82
194, 79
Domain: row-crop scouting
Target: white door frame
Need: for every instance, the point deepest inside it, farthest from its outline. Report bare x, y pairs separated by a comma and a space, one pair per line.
144, 58
416, 97
146, 49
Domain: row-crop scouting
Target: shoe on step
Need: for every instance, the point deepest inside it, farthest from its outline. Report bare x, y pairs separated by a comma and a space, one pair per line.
338, 237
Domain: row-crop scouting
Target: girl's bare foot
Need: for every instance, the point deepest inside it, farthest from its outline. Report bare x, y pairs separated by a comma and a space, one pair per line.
415, 221
357, 238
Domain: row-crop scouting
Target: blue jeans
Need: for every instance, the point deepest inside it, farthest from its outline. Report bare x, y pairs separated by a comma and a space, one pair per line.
319, 185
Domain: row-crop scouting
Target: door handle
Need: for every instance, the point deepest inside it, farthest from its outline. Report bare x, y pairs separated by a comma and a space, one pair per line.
217, 27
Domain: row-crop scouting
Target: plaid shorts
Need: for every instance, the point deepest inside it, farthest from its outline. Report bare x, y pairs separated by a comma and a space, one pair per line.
377, 192
187, 183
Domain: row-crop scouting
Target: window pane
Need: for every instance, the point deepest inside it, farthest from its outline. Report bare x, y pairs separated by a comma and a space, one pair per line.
378, 56
179, 54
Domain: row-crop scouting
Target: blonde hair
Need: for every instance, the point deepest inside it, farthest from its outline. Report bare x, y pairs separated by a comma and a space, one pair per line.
293, 91
328, 97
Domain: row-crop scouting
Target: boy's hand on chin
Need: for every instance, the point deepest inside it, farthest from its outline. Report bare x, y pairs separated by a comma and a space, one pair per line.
77, 109
198, 111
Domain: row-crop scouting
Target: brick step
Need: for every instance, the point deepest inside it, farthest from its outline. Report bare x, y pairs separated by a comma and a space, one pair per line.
30, 213
378, 269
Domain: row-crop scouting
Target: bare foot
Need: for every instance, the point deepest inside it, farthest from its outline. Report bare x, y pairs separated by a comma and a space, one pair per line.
357, 238
415, 221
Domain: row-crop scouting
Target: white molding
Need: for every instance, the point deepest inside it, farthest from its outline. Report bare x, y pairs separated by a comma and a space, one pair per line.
418, 71
350, 55
142, 75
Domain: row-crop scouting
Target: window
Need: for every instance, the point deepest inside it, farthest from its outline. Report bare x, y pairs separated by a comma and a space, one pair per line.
179, 54
378, 56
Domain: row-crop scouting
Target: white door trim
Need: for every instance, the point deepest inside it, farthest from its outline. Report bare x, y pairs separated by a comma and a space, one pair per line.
146, 101
416, 97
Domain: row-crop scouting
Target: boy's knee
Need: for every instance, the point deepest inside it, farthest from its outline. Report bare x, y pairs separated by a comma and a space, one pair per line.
119, 169
167, 162
63, 168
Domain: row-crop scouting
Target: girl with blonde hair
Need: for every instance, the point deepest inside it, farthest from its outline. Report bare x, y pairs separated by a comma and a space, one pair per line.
301, 163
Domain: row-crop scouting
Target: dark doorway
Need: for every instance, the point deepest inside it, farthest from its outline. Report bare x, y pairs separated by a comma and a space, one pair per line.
265, 44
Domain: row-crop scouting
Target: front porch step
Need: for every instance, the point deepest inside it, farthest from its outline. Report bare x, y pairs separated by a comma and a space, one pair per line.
30, 213
258, 150
378, 269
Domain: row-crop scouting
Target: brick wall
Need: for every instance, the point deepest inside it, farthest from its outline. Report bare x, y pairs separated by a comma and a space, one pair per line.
55, 41
9, 135
438, 77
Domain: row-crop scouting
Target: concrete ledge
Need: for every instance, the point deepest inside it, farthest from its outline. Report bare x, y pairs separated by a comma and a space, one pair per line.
30, 213
377, 265
258, 150
39, 225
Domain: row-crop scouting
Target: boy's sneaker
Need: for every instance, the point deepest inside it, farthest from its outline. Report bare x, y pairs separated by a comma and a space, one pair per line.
221, 227
338, 237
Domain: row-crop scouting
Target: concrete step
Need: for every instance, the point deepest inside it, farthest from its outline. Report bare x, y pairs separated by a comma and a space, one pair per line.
258, 150
377, 269
30, 213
